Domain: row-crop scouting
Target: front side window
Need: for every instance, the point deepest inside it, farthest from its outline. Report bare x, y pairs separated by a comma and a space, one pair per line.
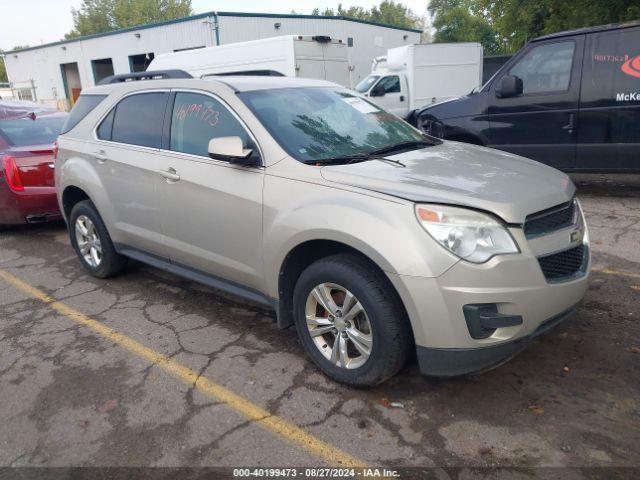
389, 84
138, 119
198, 118
546, 68
321, 123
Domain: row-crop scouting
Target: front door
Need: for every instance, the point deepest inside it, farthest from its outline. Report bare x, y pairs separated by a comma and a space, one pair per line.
542, 122
211, 210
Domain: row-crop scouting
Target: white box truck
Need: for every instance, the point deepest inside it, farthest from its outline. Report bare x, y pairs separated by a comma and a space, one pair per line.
319, 57
415, 76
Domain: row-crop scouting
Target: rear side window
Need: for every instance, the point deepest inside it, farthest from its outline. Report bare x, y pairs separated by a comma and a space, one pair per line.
106, 126
84, 105
138, 119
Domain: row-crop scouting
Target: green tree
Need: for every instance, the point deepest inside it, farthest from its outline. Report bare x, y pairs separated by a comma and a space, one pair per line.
393, 13
3, 72
504, 26
388, 12
97, 16
454, 21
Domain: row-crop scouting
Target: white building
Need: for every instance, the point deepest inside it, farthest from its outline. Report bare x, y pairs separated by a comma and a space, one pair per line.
56, 72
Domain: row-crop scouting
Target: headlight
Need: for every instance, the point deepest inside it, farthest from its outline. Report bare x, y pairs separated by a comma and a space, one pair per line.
471, 235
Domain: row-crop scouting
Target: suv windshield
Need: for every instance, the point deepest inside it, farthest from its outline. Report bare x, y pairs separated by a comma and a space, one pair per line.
327, 123
366, 83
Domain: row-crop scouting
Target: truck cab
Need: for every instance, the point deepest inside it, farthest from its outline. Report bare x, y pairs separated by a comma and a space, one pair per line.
389, 90
411, 77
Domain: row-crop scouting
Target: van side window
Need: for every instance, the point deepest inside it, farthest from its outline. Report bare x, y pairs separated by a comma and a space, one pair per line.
198, 118
138, 119
390, 84
546, 68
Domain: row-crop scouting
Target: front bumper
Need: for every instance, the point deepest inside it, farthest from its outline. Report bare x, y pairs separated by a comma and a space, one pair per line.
514, 287
449, 362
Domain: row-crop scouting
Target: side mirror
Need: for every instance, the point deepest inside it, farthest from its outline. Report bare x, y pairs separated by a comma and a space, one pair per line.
510, 86
377, 91
231, 149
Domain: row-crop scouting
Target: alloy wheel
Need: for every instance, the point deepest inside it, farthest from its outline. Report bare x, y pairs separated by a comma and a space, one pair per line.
88, 241
338, 325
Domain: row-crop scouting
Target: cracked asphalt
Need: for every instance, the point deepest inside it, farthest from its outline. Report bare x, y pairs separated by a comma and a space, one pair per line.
71, 397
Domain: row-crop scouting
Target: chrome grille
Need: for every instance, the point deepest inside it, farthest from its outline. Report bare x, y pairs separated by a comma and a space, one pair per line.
550, 220
561, 265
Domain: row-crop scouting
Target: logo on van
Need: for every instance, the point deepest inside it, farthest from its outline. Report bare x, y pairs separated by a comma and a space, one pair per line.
632, 67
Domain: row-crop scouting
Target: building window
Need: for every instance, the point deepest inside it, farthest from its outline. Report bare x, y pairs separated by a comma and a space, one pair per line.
102, 68
139, 63
24, 94
350, 42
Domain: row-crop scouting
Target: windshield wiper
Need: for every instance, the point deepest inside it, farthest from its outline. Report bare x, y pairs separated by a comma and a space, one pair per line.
389, 149
348, 159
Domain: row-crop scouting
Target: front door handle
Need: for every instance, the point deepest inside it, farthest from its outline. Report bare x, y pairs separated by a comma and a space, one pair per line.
100, 155
570, 126
170, 174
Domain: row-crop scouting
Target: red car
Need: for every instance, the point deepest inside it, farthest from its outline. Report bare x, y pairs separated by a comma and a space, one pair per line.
27, 135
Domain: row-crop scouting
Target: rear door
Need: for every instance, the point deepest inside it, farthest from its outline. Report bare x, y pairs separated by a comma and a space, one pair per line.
542, 122
609, 119
211, 209
125, 152
309, 59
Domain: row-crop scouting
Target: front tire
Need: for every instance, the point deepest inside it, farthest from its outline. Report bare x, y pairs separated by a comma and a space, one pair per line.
350, 321
91, 241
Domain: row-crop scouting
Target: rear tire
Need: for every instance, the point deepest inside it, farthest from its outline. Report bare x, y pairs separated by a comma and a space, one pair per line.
361, 349
92, 243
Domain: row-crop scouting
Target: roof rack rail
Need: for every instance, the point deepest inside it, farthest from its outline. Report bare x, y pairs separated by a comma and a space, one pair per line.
152, 75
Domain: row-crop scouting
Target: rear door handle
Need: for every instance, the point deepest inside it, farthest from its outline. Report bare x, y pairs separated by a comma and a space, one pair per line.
170, 174
569, 126
100, 155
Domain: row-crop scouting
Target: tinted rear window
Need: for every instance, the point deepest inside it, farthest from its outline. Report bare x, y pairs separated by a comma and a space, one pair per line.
138, 119
22, 132
84, 105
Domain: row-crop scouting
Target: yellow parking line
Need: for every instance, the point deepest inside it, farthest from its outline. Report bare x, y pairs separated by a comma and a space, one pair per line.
613, 271
290, 432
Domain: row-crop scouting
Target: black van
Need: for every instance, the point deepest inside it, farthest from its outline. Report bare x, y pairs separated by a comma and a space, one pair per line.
570, 100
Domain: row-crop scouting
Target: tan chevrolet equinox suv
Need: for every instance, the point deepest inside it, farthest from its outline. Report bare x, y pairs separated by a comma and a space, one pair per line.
370, 237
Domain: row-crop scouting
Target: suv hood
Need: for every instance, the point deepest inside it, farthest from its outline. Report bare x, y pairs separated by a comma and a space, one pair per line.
506, 185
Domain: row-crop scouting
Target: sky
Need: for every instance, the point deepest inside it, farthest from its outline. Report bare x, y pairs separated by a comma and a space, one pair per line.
33, 22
